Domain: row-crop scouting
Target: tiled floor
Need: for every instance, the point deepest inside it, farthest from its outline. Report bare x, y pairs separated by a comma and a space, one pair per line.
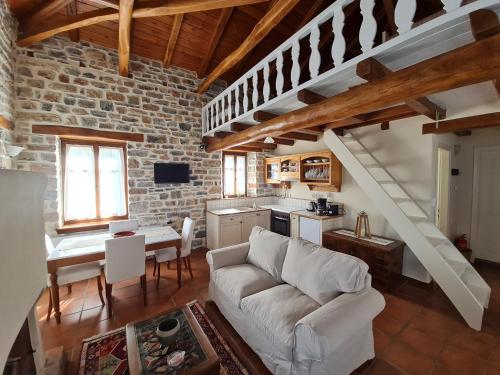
419, 332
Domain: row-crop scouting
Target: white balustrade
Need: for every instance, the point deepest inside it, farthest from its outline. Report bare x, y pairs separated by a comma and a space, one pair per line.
403, 15
315, 58
295, 63
237, 96
368, 26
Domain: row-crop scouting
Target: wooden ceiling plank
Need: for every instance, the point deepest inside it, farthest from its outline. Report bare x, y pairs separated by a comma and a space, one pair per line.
125, 23
172, 40
484, 23
72, 10
371, 70
150, 9
246, 149
262, 145
42, 13
311, 12
464, 123
222, 21
85, 133
375, 117
261, 29
114, 4
238, 127
389, 12
445, 72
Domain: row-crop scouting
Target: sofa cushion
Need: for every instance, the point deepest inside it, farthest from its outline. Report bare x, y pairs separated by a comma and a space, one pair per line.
275, 311
267, 251
242, 280
322, 274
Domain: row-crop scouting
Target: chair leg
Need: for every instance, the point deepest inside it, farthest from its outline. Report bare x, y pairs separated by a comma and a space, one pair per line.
185, 263
144, 289
189, 265
109, 297
99, 289
49, 311
154, 269
158, 275
70, 288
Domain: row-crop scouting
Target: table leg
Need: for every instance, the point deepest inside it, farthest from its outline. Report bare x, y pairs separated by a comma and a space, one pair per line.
54, 290
179, 283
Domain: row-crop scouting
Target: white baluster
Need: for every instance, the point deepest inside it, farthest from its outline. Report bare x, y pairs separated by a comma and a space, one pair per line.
237, 101
403, 15
280, 81
450, 5
211, 117
295, 61
315, 58
217, 119
255, 92
245, 95
338, 45
267, 88
229, 105
223, 110
368, 26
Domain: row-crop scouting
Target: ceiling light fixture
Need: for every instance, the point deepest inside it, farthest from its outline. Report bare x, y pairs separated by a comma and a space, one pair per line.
269, 140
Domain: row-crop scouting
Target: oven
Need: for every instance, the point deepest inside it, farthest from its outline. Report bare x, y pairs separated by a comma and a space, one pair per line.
280, 223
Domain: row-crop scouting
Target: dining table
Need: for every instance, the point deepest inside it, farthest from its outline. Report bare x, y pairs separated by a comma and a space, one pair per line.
81, 249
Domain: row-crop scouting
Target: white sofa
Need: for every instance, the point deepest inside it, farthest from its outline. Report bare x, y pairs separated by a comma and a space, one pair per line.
302, 308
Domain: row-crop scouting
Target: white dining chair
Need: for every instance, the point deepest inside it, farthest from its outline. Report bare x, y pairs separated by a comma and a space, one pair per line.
72, 274
170, 254
125, 260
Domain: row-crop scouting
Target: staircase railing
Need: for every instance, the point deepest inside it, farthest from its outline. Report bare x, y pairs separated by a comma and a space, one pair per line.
258, 87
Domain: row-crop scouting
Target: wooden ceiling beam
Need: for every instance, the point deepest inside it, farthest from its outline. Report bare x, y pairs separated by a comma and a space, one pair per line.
261, 29
124, 26
72, 10
42, 13
85, 133
461, 124
155, 8
262, 145
484, 23
172, 40
244, 148
371, 70
262, 116
114, 4
238, 127
445, 72
222, 21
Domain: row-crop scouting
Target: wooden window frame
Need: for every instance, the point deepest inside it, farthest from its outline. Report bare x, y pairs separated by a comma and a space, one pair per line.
97, 223
233, 153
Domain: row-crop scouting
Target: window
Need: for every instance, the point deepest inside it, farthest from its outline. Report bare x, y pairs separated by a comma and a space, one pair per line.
94, 181
235, 174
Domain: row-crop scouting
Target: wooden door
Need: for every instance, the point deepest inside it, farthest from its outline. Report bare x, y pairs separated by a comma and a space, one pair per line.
485, 239
230, 230
247, 223
263, 219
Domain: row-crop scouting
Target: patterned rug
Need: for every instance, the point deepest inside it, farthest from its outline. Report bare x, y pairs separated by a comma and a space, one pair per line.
106, 354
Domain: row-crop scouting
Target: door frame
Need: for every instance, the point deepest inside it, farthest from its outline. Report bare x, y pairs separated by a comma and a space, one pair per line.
475, 196
447, 148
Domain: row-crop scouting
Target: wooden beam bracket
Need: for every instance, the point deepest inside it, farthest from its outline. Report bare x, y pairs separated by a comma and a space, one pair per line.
88, 134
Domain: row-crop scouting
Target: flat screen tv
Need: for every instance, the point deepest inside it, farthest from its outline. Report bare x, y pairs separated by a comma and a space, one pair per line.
171, 173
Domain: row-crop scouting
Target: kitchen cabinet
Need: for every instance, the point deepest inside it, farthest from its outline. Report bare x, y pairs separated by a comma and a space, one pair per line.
311, 229
227, 230
272, 170
290, 168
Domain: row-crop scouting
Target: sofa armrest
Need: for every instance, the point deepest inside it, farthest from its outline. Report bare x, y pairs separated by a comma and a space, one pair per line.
228, 256
323, 331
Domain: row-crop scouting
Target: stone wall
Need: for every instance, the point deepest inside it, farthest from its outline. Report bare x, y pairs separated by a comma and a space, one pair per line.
8, 29
77, 84
256, 186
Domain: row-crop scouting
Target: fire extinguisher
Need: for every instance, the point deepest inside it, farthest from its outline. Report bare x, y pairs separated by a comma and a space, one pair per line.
461, 242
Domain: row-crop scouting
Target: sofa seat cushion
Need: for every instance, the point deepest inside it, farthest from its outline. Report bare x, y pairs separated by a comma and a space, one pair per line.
329, 273
241, 280
275, 312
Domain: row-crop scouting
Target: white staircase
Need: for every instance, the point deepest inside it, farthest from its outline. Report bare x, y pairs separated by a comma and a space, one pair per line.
454, 274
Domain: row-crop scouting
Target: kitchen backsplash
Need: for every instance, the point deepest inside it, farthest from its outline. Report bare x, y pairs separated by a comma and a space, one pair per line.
216, 204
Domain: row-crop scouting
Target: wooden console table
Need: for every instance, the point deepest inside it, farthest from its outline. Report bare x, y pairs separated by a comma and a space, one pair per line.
385, 261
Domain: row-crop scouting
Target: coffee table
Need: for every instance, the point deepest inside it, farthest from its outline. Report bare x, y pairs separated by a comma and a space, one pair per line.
147, 356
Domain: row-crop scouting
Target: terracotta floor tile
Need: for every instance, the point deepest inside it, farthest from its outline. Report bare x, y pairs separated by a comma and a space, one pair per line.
478, 343
401, 308
435, 324
381, 367
492, 370
462, 361
388, 324
495, 355
441, 370
421, 343
405, 358
382, 341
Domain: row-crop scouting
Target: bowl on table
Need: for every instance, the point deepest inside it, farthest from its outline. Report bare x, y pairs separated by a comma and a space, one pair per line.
125, 233
167, 330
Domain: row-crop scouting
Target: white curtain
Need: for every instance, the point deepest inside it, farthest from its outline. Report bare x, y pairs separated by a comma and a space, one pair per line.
241, 175
79, 197
112, 182
229, 172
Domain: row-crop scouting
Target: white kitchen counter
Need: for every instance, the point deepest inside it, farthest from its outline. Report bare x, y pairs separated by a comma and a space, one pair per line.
236, 210
280, 208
